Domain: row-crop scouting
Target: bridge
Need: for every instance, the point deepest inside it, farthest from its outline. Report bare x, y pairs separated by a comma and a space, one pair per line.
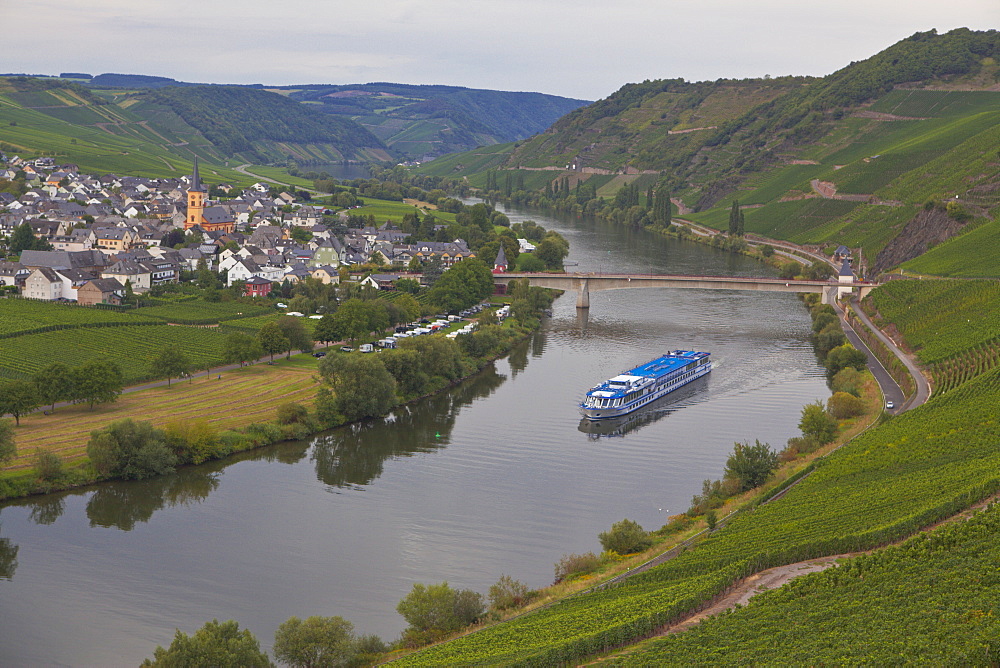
584, 283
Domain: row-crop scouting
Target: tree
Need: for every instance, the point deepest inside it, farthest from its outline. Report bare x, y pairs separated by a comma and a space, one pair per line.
625, 537
362, 386
97, 382
843, 357
17, 398
8, 446
131, 450
734, 218
241, 348
218, 645
326, 329
170, 362
272, 340
408, 285
507, 593
848, 380
23, 238
462, 286
817, 423
432, 270
751, 465
436, 610
356, 319
295, 332
528, 262
551, 252
316, 642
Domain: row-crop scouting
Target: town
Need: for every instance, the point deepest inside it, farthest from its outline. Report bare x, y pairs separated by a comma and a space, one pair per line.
95, 239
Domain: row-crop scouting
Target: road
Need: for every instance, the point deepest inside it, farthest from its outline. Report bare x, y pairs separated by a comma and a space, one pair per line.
889, 387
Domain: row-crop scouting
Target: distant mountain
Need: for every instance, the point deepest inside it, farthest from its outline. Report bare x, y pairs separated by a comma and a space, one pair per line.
866, 156
426, 121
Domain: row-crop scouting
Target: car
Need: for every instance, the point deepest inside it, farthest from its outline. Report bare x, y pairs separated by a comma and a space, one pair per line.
347, 349
889, 405
321, 353
281, 305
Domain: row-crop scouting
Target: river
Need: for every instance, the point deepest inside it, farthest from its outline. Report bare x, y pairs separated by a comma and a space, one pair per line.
494, 477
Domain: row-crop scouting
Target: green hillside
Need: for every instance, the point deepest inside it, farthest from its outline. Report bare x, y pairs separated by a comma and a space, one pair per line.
159, 132
894, 155
416, 121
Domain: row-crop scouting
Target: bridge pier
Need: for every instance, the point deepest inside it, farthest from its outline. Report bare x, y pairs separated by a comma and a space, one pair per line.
583, 294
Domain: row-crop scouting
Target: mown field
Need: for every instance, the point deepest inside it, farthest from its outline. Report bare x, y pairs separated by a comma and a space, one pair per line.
239, 397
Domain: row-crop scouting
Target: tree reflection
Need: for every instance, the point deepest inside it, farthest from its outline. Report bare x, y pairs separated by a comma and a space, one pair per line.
355, 454
8, 558
518, 358
121, 505
47, 509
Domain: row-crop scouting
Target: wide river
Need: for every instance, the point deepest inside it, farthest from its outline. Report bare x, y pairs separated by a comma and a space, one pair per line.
493, 477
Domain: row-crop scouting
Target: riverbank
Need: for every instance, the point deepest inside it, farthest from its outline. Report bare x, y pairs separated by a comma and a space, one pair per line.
242, 415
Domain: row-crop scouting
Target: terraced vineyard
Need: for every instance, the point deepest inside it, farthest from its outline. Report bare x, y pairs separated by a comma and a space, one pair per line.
918, 468
929, 601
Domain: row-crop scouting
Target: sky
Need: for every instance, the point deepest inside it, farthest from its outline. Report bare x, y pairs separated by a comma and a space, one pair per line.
575, 48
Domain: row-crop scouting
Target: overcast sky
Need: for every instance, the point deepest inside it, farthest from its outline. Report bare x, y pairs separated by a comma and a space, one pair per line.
577, 48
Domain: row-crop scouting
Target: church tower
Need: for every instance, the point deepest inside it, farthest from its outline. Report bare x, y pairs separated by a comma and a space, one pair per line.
196, 200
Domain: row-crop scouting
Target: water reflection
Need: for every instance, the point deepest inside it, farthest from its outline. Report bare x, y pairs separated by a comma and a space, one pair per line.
353, 456
121, 505
662, 407
8, 559
47, 509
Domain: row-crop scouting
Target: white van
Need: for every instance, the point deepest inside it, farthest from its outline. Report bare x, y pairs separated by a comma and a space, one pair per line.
388, 342
366, 348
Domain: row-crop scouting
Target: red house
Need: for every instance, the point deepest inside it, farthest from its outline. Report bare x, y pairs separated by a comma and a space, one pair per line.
257, 287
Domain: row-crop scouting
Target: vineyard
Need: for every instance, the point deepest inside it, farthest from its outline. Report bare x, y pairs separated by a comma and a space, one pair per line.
22, 316
929, 601
199, 312
952, 325
131, 347
909, 472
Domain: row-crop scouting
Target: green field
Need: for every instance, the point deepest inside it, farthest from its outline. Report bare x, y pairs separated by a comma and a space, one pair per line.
929, 601
18, 316
199, 312
975, 254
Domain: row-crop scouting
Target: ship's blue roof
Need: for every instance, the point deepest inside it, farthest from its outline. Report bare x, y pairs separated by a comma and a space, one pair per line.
666, 363
638, 376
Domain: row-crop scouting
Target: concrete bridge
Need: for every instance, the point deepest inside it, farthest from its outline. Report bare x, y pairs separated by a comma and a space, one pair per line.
584, 283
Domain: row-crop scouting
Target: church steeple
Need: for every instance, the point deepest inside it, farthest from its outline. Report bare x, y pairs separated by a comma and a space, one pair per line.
196, 178
195, 200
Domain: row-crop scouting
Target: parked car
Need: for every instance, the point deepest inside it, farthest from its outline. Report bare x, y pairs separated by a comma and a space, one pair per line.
321, 353
347, 349
281, 305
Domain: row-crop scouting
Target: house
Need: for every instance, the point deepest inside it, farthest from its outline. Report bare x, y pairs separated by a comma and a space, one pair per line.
139, 274
326, 274
257, 287
43, 283
842, 253
13, 273
383, 281
115, 239
500, 264
86, 260
101, 291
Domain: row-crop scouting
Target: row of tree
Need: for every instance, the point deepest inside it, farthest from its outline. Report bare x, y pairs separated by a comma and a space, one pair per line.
94, 382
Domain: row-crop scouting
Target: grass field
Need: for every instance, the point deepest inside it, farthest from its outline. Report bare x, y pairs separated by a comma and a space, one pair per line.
241, 396
975, 254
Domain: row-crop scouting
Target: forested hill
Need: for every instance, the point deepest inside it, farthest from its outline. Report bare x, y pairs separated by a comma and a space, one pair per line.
895, 154
235, 118
419, 121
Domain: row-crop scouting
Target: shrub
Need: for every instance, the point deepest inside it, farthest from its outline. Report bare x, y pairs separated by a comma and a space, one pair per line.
507, 593
843, 406
576, 564
193, 441
751, 465
264, 433
292, 412
49, 465
848, 380
130, 450
625, 537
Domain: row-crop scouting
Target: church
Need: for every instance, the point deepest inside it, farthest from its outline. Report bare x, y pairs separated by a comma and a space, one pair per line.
211, 218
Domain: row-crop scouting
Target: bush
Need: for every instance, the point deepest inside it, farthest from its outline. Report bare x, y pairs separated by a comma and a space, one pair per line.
576, 564
292, 412
817, 423
49, 465
264, 433
843, 406
848, 380
507, 593
193, 442
625, 537
436, 610
130, 450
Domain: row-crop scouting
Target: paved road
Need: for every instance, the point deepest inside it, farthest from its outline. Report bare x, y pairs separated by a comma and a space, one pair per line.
890, 389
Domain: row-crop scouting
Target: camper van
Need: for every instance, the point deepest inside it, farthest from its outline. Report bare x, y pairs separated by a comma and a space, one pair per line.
387, 342
366, 348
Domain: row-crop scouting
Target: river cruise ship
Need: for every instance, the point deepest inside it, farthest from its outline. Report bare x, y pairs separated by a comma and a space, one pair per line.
645, 383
